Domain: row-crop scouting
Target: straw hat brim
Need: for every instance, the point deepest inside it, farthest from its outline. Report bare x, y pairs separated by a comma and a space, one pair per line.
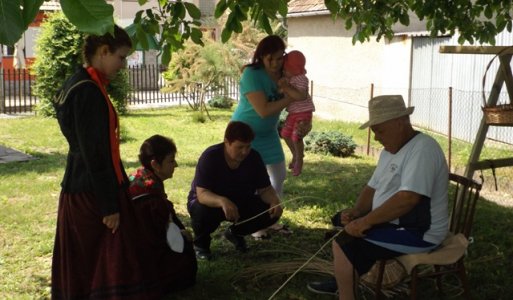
384, 118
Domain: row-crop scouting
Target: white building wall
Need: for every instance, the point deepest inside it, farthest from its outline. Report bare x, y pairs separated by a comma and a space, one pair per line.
342, 73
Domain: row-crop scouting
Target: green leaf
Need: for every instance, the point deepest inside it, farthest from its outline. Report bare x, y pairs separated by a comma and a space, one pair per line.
179, 10
141, 37
196, 36
237, 26
264, 23
404, 19
30, 10
332, 6
166, 54
348, 23
90, 16
240, 15
220, 9
488, 12
11, 22
193, 11
283, 8
142, 2
225, 35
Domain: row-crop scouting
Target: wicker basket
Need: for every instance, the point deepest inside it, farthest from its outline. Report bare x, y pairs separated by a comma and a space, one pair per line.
394, 273
501, 114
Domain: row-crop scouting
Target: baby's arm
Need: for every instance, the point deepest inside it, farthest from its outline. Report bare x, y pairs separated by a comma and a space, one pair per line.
292, 91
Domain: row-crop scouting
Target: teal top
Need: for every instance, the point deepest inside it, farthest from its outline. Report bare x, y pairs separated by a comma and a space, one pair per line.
267, 141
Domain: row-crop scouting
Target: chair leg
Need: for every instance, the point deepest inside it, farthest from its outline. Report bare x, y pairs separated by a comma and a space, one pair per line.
413, 284
463, 279
438, 280
379, 280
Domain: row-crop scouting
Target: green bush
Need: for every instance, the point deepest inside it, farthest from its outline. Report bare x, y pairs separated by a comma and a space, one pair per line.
330, 142
59, 48
281, 122
198, 117
119, 89
221, 102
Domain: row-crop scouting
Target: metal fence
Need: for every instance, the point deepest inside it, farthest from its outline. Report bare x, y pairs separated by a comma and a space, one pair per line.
16, 91
16, 94
445, 111
431, 105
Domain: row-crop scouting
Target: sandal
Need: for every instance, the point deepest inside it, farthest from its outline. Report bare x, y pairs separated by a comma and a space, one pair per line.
260, 235
281, 229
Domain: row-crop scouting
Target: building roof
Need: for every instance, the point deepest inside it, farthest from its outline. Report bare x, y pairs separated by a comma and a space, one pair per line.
50, 5
306, 7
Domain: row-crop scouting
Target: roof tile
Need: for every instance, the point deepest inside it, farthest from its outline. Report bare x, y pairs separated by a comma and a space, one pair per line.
302, 6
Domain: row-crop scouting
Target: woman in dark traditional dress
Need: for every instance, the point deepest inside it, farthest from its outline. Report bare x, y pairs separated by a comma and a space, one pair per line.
167, 250
94, 256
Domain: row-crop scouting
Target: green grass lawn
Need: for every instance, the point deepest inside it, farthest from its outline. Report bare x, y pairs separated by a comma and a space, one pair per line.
29, 193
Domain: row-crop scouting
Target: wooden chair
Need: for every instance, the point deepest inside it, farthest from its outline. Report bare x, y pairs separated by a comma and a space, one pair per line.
449, 257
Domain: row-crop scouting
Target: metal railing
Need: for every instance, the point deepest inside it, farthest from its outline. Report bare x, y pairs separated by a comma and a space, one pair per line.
16, 94
16, 91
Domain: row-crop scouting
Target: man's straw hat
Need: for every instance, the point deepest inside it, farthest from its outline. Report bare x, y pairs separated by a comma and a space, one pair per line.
385, 108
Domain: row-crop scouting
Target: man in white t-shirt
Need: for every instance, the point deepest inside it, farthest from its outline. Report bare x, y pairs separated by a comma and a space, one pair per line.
402, 209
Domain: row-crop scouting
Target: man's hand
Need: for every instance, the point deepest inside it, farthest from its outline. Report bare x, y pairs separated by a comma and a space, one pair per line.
112, 222
231, 212
276, 210
357, 227
348, 215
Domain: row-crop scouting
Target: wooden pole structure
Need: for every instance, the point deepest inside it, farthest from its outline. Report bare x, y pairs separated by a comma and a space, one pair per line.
368, 129
449, 130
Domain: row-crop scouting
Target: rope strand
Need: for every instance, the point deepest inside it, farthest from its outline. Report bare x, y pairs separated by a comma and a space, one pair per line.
306, 263
272, 207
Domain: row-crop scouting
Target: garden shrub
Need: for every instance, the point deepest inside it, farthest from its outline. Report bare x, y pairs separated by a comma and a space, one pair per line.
281, 122
59, 53
330, 142
221, 102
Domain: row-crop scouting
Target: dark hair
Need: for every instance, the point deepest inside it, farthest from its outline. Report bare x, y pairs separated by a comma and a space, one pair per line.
239, 131
268, 45
156, 148
93, 42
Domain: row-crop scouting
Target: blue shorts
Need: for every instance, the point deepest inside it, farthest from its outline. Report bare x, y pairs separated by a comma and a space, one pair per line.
385, 241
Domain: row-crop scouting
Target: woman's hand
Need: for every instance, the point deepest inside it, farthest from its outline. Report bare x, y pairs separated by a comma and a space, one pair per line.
112, 222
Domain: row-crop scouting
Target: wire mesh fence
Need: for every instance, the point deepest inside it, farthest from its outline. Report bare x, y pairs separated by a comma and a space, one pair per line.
432, 108
348, 104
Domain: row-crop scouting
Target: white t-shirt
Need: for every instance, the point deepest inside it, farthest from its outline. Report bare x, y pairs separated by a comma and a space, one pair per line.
419, 166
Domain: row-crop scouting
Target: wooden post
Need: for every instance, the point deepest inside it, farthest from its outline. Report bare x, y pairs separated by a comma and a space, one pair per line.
449, 130
368, 129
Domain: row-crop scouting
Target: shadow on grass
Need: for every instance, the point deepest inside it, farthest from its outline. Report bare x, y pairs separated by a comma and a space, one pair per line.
217, 279
181, 113
336, 185
323, 188
45, 162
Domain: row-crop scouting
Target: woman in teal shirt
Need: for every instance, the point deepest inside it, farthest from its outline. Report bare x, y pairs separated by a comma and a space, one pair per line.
261, 103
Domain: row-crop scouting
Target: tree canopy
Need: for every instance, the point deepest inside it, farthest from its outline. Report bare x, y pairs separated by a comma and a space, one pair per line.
176, 21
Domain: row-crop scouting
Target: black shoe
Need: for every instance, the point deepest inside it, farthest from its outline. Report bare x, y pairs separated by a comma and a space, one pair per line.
237, 240
327, 287
203, 254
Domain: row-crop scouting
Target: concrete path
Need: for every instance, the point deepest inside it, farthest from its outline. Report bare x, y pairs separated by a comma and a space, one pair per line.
10, 155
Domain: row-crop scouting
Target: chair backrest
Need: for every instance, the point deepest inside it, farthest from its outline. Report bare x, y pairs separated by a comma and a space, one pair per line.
464, 201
